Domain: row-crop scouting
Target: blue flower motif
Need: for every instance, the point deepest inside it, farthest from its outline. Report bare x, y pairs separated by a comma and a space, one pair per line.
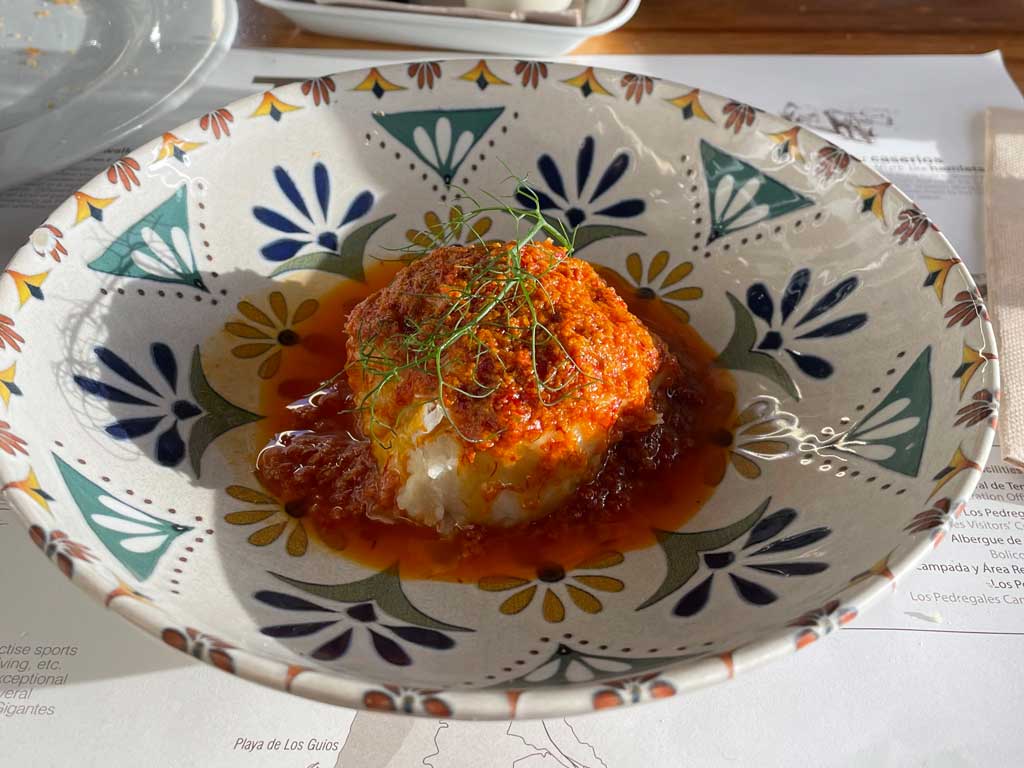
313, 227
577, 205
384, 637
733, 560
760, 303
154, 408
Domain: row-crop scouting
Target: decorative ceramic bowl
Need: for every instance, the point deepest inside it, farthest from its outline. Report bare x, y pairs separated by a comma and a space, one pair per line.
139, 324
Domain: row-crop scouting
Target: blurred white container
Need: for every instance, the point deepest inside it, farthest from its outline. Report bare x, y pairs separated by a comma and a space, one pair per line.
519, 5
441, 32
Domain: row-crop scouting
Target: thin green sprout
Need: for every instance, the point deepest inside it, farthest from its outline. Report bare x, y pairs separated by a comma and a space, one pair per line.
426, 346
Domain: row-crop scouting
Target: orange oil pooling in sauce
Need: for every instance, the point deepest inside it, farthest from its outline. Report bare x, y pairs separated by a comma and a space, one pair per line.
656, 479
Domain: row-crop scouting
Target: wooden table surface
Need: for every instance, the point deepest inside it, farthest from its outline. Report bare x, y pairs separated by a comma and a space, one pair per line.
756, 26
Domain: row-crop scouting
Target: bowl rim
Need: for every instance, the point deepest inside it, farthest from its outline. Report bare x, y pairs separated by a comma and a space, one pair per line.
685, 675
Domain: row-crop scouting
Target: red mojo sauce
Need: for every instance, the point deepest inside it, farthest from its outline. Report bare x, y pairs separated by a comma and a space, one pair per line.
652, 480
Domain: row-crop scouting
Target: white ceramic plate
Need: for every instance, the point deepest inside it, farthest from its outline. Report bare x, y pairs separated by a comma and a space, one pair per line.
447, 32
79, 76
141, 322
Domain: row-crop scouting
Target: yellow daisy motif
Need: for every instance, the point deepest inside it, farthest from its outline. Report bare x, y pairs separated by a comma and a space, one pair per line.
267, 336
438, 232
761, 432
377, 84
588, 83
957, 464
873, 199
278, 518
938, 271
550, 578
481, 75
89, 207
172, 147
7, 385
29, 286
30, 487
689, 104
646, 286
272, 107
786, 144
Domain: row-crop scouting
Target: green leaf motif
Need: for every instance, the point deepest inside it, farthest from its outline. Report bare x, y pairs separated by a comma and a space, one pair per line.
135, 538
219, 415
739, 354
893, 434
348, 262
740, 195
568, 665
441, 138
383, 588
682, 551
591, 233
156, 247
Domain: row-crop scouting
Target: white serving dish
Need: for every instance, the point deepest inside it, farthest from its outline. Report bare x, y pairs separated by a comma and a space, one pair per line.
447, 32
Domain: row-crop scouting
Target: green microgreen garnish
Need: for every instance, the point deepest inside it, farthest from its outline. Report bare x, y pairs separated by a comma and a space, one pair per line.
498, 294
